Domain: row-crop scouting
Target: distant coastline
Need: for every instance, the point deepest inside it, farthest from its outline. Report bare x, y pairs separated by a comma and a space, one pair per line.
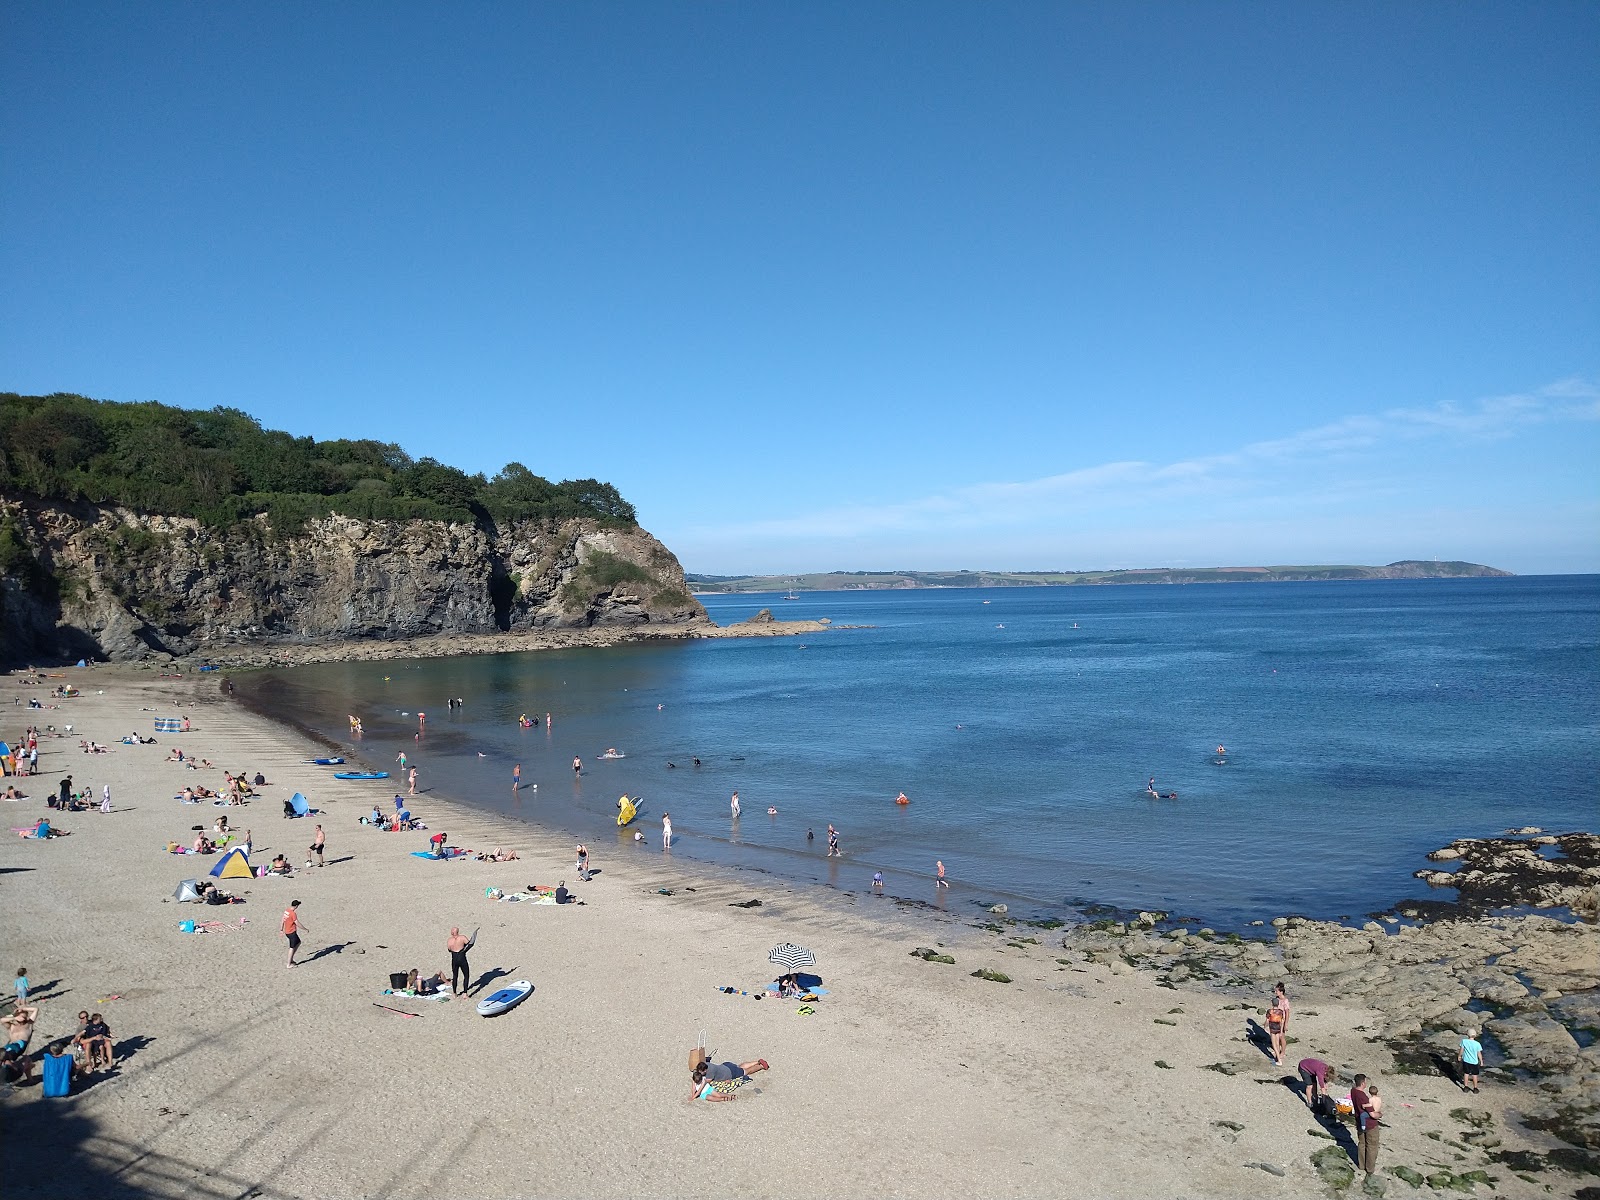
843, 581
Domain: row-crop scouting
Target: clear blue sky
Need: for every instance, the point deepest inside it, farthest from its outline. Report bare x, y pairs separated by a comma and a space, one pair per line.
852, 286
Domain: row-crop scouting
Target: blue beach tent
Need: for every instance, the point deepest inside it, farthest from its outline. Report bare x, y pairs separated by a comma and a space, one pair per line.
298, 803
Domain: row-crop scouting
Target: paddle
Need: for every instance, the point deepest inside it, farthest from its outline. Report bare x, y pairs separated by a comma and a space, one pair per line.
473, 940
401, 1011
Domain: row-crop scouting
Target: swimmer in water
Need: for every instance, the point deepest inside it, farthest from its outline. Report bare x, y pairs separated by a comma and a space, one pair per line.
771, 811
1222, 749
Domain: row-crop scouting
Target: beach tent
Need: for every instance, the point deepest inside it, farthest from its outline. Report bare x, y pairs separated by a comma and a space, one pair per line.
7, 766
187, 893
233, 865
298, 803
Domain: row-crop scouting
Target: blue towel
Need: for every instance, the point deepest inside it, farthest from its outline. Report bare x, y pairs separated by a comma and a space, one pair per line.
57, 1074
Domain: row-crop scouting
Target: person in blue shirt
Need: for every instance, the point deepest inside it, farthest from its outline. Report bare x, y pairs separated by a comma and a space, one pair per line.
1471, 1058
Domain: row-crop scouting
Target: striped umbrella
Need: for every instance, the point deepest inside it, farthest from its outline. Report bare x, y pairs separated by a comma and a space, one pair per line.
791, 957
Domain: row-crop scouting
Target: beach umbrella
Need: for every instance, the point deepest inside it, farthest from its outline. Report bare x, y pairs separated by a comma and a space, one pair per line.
791, 957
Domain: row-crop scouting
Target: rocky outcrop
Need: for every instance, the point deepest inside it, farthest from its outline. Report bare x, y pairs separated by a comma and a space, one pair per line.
115, 584
1528, 867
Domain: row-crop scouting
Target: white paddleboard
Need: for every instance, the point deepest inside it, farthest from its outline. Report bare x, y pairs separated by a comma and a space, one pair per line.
506, 998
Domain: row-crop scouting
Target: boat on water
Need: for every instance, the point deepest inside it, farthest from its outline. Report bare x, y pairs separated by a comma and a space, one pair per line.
790, 595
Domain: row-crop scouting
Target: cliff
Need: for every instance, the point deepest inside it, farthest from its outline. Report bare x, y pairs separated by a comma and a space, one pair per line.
84, 580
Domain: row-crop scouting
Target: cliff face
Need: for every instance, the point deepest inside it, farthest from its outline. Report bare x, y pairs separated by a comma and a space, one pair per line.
81, 580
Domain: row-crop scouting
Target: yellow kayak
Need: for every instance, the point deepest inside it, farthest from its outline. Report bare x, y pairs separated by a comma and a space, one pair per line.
627, 810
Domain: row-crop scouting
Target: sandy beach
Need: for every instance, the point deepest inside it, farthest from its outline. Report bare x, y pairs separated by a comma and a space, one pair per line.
237, 1077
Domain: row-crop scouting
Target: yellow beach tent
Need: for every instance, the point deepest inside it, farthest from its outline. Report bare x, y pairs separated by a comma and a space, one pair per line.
234, 865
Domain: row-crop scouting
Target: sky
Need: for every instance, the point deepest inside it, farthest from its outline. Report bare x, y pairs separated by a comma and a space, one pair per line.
854, 286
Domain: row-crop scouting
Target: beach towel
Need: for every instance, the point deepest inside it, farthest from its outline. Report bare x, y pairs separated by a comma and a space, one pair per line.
452, 852
405, 995
807, 992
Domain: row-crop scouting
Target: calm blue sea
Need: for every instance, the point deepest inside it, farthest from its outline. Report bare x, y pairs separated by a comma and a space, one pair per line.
1365, 724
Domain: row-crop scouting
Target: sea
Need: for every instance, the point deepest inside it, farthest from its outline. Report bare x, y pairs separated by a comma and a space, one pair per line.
1362, 724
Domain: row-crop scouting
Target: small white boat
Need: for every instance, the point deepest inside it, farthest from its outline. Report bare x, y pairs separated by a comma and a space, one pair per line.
506, 998
791, 595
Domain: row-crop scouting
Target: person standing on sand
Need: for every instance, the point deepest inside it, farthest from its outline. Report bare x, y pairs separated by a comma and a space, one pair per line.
734, 804
291, 929
516, 777
939, 881
458, 947
319, 841
1366, 1126
411, 778
1278, 1023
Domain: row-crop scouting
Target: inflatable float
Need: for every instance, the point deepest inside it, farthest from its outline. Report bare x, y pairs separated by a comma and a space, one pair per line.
326, 762
505, 999
627, 810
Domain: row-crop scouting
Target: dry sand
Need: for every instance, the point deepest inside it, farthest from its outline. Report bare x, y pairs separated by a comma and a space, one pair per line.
239, 1078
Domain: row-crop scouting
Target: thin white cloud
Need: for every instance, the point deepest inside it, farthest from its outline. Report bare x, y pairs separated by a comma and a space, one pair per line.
1118, 485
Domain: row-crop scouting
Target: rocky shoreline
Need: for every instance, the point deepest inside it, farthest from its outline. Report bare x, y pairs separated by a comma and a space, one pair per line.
1528, 981
258, 655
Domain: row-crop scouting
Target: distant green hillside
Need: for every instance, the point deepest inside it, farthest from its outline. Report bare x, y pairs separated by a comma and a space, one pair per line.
835, 581
220, 465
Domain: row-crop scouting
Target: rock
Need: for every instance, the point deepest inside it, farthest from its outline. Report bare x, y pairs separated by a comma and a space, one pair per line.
999, 909
764, 617
1333, 1165
1268, 1168
1535, 1042
1374, 1185
1372, 927
1408, 1174
1148, 919
991, 976
1279, 922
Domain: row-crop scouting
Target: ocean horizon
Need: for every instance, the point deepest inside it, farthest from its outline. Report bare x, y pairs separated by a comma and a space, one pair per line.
1364, 724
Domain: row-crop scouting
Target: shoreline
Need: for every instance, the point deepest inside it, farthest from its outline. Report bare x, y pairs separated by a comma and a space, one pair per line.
238, 1076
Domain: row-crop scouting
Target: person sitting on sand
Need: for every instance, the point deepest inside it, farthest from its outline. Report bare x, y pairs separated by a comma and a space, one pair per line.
280, 866
719, 1081
13, 794
375, 817
260, 780
202, 845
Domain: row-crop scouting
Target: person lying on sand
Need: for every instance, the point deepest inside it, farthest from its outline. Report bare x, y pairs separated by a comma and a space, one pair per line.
499, 855
19, 1025
424, 985
719, 1081
13, 794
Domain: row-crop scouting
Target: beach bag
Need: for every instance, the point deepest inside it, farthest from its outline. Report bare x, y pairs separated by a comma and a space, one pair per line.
186, 926
397, 979
697, 1056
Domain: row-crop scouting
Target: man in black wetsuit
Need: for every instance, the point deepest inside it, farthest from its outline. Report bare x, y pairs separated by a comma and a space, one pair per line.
458, 946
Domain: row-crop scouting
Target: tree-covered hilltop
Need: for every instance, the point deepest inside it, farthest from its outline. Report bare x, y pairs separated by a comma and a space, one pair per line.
221, 466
